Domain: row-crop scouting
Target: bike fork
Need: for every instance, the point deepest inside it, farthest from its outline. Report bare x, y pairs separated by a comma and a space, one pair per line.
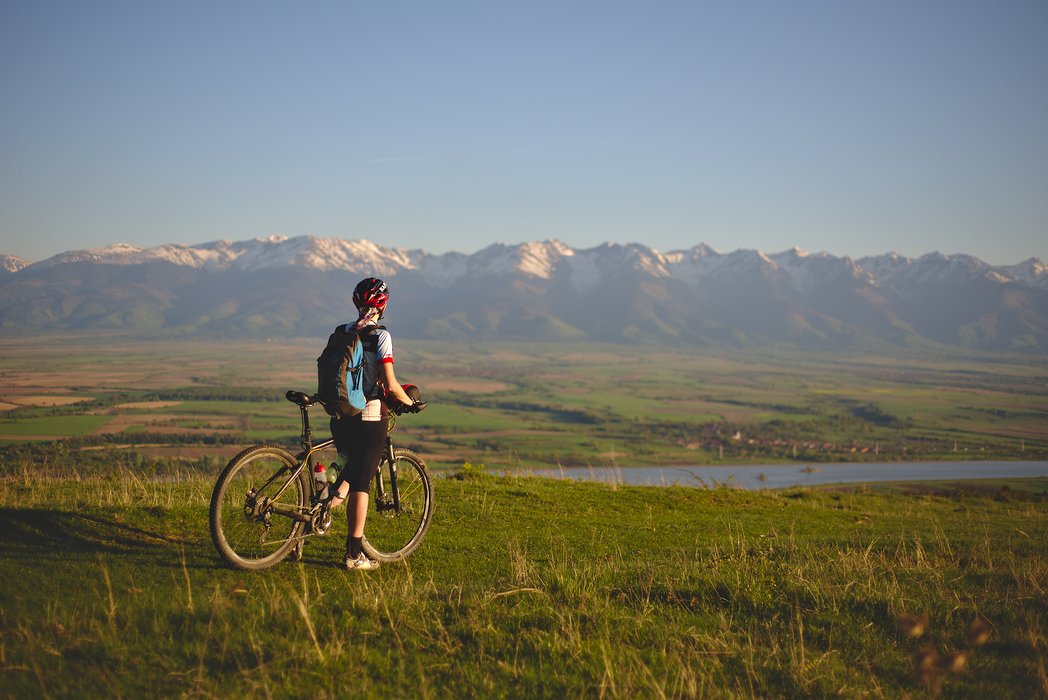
380, 492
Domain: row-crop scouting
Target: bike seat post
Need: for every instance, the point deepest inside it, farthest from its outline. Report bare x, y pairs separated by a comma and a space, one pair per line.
307, 435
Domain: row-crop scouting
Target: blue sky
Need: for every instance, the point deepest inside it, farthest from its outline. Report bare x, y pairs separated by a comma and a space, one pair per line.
850, 127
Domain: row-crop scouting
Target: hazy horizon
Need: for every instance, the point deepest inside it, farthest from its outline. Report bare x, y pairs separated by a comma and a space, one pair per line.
497, 243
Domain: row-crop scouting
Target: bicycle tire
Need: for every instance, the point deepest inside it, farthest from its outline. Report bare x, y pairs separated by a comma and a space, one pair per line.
390, 536
239, 520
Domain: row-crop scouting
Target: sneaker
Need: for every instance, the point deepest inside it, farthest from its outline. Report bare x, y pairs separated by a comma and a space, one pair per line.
362, 562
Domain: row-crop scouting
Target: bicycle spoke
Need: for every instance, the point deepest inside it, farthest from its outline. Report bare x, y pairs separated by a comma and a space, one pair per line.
251, 508
391, 535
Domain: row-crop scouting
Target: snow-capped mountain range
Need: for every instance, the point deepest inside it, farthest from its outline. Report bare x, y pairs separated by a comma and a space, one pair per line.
299, 286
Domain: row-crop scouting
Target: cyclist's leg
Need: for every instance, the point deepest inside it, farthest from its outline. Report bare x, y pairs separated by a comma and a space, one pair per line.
365, 454
343, 434
361, 444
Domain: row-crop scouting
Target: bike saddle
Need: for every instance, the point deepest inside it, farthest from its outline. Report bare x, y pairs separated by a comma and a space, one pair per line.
303, 400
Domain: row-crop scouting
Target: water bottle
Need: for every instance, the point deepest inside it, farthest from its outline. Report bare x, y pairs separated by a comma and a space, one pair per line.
336, 467
320, 477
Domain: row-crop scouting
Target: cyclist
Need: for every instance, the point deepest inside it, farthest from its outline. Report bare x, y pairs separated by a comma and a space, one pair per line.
360, 439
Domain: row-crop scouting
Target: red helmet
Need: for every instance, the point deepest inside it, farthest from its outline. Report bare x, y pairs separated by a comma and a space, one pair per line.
371, 293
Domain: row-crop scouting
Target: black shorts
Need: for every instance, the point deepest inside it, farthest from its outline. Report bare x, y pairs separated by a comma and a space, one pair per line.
363, 443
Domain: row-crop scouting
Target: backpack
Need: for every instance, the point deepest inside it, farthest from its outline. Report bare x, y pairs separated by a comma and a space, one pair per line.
340, 372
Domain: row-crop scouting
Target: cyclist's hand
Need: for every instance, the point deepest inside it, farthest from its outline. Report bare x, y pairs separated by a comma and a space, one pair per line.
417, 406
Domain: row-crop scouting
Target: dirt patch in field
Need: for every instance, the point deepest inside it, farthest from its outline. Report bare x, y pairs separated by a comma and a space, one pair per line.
59, 380
1029, 432
47, 400
32, 438
1032, 432
10, 391
8, 406
732, 414
191, 453
591, 358
501, 433
509, 357
190, 377
1040, 408
167, 425
469, 386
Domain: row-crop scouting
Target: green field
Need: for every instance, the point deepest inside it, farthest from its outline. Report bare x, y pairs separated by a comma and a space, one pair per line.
52, 425
534, 405
526, 588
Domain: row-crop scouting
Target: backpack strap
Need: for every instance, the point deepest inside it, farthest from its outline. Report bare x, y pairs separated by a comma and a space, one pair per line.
367, 337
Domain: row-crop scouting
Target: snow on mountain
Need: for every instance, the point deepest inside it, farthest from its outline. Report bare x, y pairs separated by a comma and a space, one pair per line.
609, 292
531, 259
931, 269
442, 271
120, 253
700, 262
301, 251
588, 268
258, 254
804, 272
13, 263
540, 259
915, 278
1032, 272
796, 266
808, 272
360, 256
691, 266
743, 262
884, 267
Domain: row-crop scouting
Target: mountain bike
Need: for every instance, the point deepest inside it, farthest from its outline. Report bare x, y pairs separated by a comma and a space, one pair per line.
266, 504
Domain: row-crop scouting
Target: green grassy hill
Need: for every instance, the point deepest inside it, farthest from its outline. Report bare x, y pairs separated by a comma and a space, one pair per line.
533, 588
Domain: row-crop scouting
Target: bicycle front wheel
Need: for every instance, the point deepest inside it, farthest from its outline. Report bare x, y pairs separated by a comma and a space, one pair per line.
391, 534
258, 509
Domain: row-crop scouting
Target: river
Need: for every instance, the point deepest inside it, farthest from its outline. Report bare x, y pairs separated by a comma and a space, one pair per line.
784, 475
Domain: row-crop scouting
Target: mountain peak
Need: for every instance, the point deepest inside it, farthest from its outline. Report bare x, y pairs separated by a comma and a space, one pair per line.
613, 292
13, 263
1032, 272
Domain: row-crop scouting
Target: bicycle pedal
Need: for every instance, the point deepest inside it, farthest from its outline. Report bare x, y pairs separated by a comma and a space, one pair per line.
322, 522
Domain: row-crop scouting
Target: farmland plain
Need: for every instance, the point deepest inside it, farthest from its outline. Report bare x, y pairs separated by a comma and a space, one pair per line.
534, 405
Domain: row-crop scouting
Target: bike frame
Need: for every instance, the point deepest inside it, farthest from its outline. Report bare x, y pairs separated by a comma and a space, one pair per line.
305, 458
244, 511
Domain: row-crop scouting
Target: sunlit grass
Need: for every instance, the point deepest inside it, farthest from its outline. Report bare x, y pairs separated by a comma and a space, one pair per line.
530, 587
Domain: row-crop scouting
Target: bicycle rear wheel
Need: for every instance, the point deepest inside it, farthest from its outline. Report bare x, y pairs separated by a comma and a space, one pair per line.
391, 535
251, 525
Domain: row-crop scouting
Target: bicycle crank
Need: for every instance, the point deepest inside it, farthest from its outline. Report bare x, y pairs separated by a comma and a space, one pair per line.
320, 523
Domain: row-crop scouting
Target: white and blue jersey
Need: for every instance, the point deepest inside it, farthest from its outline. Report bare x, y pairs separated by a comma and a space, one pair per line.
383, 344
